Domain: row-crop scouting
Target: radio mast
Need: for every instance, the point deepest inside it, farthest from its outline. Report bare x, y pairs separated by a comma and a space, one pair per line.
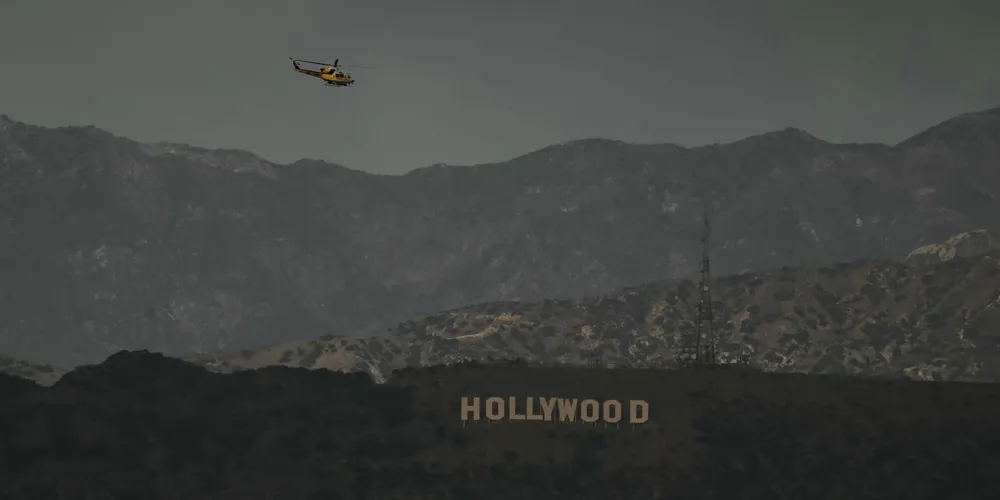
707, 341
701, 348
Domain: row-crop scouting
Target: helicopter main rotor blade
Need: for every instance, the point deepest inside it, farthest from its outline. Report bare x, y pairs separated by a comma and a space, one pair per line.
332, 65
314, 62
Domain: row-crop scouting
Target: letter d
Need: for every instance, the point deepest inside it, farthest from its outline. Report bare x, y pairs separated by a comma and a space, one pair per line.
634, 406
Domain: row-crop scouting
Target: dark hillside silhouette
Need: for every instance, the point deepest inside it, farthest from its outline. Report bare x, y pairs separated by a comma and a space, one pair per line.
144, 426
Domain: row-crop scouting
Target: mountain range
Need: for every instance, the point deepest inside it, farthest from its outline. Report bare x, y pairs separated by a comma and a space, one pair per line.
111, 244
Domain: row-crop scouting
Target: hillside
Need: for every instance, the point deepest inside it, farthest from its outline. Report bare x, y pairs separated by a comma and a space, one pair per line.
145, 426
932, 317
110, 244
938, 321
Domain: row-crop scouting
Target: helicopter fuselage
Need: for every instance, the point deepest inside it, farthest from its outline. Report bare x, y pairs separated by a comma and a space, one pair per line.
331, 75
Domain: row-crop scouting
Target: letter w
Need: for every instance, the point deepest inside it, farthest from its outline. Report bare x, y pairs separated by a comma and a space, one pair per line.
567, 410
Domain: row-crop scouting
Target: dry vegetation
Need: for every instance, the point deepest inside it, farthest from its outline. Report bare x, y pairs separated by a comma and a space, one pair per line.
932, 321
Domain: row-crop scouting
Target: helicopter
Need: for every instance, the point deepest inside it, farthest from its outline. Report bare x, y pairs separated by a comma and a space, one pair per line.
331, 74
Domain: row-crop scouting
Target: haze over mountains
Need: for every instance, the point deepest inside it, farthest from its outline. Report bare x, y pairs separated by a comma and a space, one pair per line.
110, 244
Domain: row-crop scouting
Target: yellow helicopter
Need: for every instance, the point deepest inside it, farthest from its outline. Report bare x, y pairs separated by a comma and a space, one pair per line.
331, 74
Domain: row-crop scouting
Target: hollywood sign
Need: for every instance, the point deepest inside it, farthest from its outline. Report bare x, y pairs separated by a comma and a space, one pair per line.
554, 410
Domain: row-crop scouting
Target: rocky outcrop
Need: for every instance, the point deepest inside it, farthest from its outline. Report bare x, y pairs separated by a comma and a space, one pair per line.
962, 245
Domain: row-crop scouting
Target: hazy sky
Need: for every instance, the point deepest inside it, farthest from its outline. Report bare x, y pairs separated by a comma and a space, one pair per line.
473, 81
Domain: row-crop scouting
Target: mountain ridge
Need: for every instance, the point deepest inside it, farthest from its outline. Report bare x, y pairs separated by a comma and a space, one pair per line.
796, 132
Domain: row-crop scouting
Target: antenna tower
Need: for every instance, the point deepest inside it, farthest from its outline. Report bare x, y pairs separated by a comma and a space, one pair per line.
702, 347
707, 342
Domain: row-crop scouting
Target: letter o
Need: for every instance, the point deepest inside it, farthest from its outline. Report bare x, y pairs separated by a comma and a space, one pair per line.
593, 414
615, 407
494, 408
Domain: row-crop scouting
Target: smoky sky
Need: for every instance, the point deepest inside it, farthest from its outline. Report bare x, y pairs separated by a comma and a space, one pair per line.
467, 81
